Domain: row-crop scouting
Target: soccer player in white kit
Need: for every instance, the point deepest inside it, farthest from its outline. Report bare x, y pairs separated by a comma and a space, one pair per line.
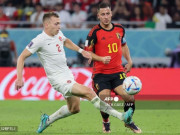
49, 47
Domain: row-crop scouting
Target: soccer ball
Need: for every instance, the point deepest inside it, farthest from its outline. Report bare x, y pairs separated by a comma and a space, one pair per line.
132, 85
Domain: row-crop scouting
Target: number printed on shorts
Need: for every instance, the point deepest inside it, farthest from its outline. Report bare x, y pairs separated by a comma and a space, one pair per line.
59, 49
122, 75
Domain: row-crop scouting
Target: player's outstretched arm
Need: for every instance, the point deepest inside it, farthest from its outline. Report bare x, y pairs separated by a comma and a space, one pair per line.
126, 54
69, 44
20, 65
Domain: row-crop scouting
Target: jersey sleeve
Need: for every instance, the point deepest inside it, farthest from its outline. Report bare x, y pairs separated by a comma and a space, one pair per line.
123, 40
91, 40
34, 45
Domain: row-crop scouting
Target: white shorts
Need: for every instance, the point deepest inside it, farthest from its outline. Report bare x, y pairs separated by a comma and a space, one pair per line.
63, 83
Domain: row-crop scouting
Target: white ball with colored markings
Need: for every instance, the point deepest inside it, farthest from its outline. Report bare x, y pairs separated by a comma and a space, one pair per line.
132, 85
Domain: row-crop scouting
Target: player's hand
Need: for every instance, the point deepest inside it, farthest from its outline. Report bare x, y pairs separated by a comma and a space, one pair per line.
19, 84
127, 67
106, 59
87, 55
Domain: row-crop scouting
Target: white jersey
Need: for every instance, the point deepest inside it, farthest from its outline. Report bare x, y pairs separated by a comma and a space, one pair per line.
51, 52
52, 56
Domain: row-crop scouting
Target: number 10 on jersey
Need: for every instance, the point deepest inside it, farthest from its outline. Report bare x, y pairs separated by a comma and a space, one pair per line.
113, 47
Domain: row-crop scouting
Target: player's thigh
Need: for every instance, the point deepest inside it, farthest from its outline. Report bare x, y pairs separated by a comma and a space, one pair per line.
101, 82
83, 91
120, 91
73, 103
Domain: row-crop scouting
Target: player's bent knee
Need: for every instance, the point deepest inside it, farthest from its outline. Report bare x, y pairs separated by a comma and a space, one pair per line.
89, 93
130, 99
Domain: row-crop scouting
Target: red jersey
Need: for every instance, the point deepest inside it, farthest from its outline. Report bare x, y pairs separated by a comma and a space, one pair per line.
107, 43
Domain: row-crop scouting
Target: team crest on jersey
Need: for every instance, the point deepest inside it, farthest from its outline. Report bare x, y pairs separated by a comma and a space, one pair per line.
30, 44
91, 45
103, 38
118, 35
60, 38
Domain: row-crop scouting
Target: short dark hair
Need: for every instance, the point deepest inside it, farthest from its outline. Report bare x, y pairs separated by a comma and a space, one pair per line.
48, 15
104, 5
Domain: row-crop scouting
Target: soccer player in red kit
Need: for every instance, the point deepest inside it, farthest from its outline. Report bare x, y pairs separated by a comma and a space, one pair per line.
107, 44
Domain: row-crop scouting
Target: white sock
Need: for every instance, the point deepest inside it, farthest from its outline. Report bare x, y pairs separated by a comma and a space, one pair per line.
59, 114
104, 107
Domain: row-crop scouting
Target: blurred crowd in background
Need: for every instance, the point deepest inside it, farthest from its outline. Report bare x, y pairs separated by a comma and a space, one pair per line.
158, 14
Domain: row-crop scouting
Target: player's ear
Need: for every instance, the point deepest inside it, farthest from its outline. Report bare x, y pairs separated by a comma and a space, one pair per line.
45, 24
98, 16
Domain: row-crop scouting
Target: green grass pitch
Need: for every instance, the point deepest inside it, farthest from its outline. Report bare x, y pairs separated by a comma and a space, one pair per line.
26, 115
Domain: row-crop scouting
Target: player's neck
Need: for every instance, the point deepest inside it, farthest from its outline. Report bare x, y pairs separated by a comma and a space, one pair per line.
48, 33
106, 27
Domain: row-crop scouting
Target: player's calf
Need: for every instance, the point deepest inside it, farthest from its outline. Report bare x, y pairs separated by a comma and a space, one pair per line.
73, 104
74, 111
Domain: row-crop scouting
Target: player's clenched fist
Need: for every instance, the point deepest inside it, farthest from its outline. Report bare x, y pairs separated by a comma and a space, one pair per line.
19, 84
106, 59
